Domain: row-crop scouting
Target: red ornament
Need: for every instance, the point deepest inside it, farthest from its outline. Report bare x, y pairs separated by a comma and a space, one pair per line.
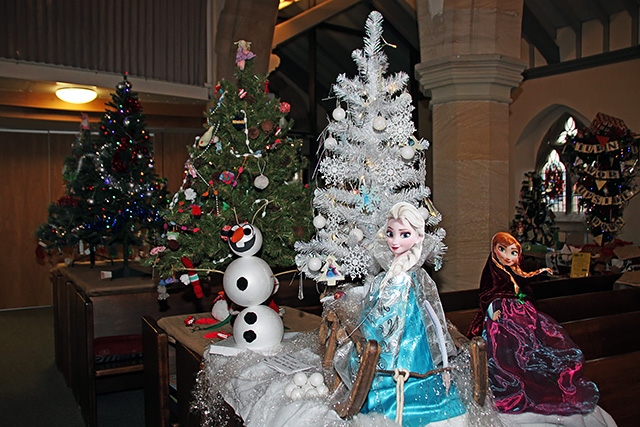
285, 107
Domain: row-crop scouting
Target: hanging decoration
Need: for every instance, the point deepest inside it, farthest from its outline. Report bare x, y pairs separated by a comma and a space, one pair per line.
604, 158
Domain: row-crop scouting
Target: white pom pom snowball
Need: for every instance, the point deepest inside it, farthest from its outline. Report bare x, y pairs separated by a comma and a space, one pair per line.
316, 379
289, 388
296, 393
323, 390
300, 379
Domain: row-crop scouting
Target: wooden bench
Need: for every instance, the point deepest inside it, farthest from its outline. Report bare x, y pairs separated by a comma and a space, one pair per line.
86, 309
568, 307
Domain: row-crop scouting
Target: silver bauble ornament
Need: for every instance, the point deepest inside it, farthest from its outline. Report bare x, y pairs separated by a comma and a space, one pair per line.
330, 143
314, 264
356, 234
407, 152
261, 182
319, 222
379, 123
339, 114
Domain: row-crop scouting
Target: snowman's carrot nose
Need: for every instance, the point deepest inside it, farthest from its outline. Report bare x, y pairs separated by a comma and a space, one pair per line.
237, 235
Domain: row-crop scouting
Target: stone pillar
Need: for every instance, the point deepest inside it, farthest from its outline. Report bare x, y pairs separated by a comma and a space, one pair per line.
469, 52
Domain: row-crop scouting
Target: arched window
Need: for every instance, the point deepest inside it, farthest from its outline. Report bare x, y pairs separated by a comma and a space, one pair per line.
559, 184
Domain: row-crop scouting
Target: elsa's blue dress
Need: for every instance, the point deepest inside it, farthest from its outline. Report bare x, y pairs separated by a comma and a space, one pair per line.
402, 325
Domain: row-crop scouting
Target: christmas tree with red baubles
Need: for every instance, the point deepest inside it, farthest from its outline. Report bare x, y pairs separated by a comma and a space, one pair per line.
113, 198
73, 220
245, 168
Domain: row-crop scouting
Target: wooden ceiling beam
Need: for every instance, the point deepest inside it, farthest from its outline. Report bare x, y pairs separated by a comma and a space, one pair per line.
534, 32
309, 19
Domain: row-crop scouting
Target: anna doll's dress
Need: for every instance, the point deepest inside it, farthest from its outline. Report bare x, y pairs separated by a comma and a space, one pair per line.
395, 319
534, 366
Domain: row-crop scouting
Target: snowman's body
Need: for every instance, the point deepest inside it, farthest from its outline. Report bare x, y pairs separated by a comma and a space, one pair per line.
248, 281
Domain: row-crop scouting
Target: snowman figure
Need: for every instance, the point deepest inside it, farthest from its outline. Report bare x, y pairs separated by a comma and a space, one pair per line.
248, 281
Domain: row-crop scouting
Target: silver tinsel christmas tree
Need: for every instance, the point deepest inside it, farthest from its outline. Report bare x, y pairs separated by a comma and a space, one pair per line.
370, 160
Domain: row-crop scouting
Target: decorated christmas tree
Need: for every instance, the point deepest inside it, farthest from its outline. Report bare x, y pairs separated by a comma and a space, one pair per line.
370, 160
113, 197
73, 220
243, 169
604, 158
534, 222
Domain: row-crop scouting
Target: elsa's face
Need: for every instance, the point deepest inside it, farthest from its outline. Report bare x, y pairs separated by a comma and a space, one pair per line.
401, 236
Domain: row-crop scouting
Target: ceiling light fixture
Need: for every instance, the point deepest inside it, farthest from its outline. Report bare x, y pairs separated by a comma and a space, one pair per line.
76, 95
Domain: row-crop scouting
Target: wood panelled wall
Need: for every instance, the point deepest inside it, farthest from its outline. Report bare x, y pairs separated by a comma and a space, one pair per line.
157, 39
31, 175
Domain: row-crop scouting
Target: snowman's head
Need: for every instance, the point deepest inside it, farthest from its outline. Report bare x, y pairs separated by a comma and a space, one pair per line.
248, 281
258, 327
245, 239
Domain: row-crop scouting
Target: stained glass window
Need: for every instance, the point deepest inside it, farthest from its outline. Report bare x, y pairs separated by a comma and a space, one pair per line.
558, 183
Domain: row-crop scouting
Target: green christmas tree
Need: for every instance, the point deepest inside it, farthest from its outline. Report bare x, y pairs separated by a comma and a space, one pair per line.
244, 168
604, 158
129, 200
73, 220
534, 222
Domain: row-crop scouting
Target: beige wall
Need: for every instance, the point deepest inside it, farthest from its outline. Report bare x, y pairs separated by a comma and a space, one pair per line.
31, 174
611, 89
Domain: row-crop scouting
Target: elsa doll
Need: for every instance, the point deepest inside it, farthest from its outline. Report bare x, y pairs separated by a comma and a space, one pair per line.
404, 314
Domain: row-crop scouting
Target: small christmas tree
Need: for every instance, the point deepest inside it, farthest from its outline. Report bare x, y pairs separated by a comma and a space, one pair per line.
370, 161
604, 158
73, 219
244, 168
534, 222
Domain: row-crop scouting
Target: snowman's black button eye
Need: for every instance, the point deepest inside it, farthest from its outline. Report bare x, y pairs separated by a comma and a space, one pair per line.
247, 231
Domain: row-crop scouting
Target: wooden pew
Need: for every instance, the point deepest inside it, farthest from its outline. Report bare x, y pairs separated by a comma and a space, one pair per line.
569, 307
542, 289
618, 379
606, 336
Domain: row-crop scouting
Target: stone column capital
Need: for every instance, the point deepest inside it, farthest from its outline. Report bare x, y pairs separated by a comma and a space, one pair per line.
473, 77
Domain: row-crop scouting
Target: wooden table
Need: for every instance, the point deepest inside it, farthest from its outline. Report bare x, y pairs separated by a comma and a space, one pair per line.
169, 338
87, 307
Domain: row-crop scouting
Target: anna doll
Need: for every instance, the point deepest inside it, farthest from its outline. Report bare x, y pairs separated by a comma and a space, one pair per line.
533, 364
